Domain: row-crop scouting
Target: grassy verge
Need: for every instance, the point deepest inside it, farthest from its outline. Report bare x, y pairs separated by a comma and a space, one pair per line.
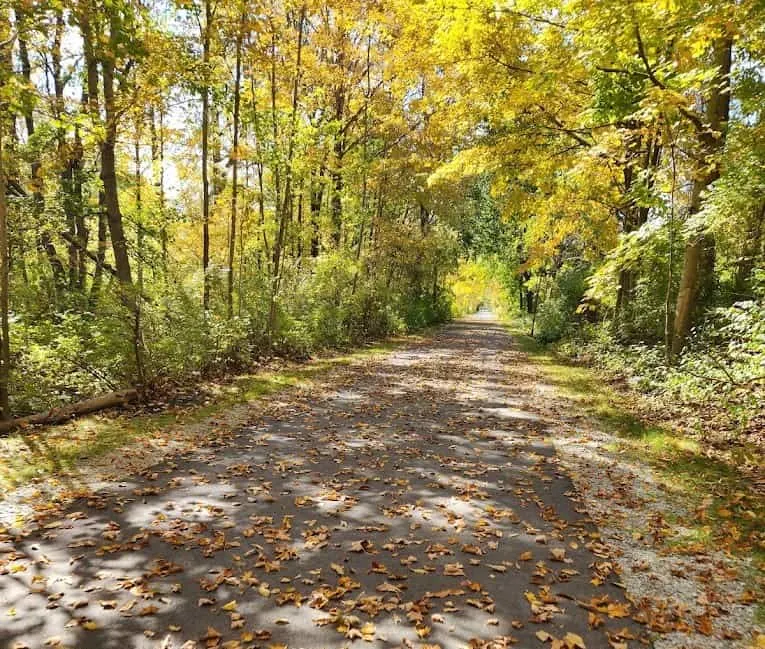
55, 450
728, 513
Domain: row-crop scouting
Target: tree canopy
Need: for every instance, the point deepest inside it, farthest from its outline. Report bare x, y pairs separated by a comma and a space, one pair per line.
188, 185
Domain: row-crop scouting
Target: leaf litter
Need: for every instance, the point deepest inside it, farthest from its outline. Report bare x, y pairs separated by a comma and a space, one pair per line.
411, 502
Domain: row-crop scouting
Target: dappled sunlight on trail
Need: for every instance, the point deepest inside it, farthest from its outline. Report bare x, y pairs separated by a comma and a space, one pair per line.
411, 500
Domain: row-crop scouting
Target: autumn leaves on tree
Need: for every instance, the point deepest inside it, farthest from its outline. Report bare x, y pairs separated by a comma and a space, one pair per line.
192, 185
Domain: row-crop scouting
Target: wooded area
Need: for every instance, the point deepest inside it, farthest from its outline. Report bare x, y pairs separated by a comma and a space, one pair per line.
187, 186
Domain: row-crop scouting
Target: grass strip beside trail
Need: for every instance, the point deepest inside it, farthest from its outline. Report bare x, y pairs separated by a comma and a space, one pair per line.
727, 513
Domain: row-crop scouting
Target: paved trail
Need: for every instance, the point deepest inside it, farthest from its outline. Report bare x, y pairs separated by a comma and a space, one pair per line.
412, 502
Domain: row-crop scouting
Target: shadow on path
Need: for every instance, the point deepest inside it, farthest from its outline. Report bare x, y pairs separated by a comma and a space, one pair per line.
412, 500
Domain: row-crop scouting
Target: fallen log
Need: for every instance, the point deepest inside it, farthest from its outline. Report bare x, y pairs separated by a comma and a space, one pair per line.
59, 415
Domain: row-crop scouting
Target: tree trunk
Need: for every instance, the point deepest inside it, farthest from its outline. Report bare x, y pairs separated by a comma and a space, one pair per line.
70, 160
336, 207
6, 127
205, 155
44, 241
60, 415
158, 177
285, 211
92, 103
234, 170
317, 197
301, 191
698, 260
100, 256
109, 180
336, 203
751, 254
5, 350
138, 207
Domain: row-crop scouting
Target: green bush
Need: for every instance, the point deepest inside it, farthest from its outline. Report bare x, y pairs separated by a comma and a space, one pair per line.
555, 315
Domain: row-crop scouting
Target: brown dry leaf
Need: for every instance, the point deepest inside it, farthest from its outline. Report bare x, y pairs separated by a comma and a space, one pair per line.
594, 620
703, 624
212, 634
454, 570
472, 549
368, 631
338, 569
574, 641
148, 610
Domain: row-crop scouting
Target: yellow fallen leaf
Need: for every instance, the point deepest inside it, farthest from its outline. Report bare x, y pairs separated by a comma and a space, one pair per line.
574, 641
337, 568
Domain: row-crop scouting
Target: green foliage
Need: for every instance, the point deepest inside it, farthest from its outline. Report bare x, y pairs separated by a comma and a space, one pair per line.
722, 369
555, 314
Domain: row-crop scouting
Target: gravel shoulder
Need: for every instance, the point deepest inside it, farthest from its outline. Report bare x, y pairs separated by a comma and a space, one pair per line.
699, 599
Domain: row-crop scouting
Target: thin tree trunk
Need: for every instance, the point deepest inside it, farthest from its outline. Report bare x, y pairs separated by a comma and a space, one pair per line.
537, 301
364, 179
92, 103
6, 126
205, 155
750, 255
81, 228
336, 204
5, 350
100, 256
138, 209
284, 211
109, 180
317, 197
158, 176
300, 223
259, 171
668, 320
44, 241
111, 199
235, 169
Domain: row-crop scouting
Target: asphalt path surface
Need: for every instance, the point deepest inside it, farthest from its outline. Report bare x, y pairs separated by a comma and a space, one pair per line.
413, 501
